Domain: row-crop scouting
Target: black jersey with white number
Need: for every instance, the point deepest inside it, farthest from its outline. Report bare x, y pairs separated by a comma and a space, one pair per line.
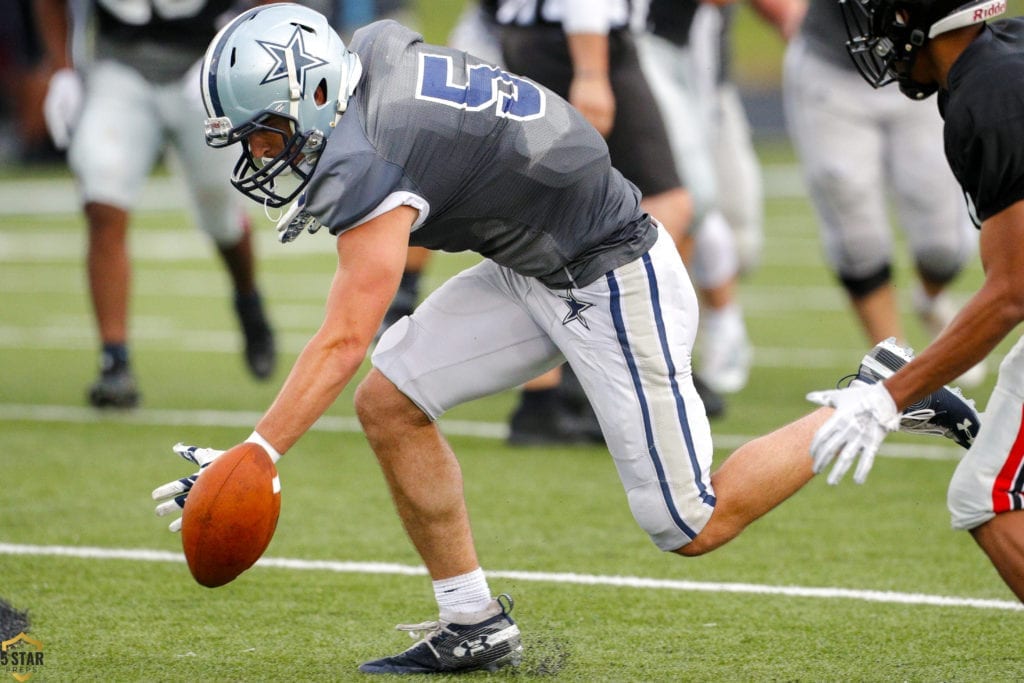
495, 163
984, 112
161, 39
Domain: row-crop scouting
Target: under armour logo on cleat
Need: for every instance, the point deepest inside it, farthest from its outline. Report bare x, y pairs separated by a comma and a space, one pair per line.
471, 647
965, 427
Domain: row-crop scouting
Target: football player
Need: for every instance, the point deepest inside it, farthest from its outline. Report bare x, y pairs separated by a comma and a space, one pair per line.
977, 69
396, 142
128, 96
859, 149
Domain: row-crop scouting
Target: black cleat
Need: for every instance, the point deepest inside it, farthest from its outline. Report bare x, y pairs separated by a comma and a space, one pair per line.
402, 305
115, 388
260, 350
944, 412
554, 426
447, 647
714, 404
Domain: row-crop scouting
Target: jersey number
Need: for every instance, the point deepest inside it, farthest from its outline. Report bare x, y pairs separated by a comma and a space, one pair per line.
484, 86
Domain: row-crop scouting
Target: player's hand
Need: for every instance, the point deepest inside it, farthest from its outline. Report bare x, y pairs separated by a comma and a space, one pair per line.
865, 414
62, 105
174, 493
296, 220
592, 95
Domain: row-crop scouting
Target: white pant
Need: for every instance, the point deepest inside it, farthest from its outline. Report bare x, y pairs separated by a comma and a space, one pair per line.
990, 478
126, 123
859, 146
627, 337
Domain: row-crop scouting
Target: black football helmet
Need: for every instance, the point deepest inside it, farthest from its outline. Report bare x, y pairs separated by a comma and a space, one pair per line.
885, 35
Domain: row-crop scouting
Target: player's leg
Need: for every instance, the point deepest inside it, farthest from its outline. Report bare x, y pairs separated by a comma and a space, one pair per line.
724, 351
1002, 539
466, 340
933, 214
840, 146
756, 478
470, 338
986, 493
221, 215
739, 169
114, 147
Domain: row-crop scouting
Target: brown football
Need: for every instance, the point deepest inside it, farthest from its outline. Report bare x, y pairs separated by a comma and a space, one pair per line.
230, 514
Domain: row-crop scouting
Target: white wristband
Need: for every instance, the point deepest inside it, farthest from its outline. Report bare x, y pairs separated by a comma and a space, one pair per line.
256, 438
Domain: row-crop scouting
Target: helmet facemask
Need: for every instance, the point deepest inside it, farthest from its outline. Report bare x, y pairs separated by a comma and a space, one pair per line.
883, 43
277, 180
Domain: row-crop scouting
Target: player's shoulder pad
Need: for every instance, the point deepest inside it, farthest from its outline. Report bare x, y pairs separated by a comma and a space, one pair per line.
384, 32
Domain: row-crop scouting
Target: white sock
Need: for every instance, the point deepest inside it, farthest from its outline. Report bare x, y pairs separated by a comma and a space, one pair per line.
463, 593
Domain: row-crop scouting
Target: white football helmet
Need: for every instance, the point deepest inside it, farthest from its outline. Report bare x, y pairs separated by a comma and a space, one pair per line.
272, 61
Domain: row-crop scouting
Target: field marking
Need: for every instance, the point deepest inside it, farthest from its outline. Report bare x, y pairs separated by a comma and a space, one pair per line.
165, 417
638, 582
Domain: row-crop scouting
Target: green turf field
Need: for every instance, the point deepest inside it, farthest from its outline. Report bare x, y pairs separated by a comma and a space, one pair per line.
839, 584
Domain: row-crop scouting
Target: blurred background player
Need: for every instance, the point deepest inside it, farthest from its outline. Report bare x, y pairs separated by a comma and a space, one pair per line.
128, 94
587, 54
686, 93
859, 148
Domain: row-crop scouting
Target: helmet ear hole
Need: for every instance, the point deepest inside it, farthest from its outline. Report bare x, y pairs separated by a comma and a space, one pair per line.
320, 95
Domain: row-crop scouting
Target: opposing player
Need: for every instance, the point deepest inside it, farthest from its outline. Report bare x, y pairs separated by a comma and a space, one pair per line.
127, 98
861, 150
978, 71
397, 142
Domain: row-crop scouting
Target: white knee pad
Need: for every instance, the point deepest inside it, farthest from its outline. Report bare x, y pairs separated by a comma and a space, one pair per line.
715, 258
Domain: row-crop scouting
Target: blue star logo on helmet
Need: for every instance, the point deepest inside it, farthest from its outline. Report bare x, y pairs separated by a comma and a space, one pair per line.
304, 61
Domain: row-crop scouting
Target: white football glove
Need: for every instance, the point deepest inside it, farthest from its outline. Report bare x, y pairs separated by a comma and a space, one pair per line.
296, 220
176, 492
865, 414
62, 105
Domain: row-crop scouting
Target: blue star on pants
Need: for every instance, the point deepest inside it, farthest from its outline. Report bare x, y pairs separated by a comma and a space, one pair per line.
576, 308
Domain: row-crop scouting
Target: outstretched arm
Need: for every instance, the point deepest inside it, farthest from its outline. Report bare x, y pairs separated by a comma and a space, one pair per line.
984, 321
370, 262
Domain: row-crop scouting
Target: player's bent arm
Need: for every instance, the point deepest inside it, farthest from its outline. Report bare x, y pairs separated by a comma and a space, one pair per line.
985, 320
51, 17
591, 90
370, 262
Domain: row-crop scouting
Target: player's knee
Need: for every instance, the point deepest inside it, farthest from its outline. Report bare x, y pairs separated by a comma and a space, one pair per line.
968, 498
372, 398
676, 530
381, 407
939, 265
859, 286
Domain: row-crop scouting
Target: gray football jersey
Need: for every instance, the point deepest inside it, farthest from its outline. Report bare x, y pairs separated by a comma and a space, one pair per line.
496, 164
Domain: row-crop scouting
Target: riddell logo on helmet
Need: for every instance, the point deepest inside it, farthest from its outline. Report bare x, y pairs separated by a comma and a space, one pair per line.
990, 10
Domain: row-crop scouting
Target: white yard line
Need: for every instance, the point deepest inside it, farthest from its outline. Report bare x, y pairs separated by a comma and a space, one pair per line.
633, 582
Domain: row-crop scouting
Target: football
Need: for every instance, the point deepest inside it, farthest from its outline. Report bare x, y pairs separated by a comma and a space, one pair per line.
230, 515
